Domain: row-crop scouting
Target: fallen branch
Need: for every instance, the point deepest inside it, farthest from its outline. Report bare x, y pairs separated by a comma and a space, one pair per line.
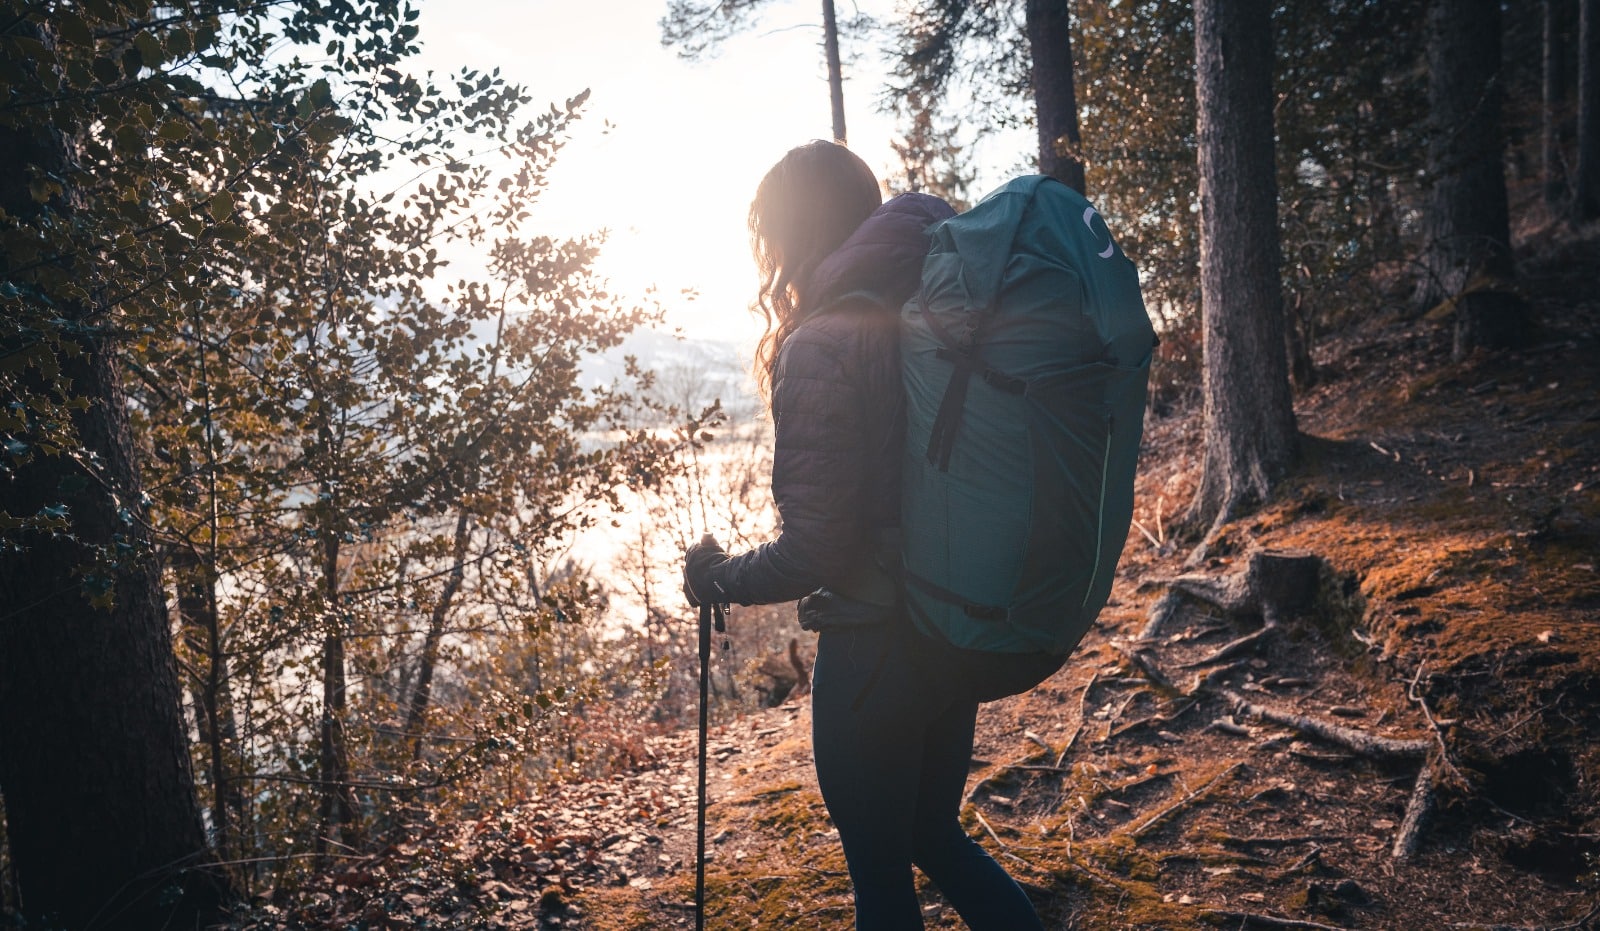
1418, 810
1161, 816
1358, 741
1269, 921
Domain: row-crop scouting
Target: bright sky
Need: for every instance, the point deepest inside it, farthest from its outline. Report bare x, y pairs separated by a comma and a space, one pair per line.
688, 142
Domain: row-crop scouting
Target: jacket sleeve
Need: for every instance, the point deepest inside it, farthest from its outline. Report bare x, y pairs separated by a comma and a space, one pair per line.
817, 476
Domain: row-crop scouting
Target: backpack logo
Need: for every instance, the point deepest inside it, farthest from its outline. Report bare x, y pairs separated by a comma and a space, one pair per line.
1089, 213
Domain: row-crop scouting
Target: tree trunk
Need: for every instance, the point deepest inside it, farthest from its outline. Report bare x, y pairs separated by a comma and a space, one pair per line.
1468, 247
1249, 415
338, 805
830, 44
1555, 105
423, 692
1586, 190
94, 759
1049, 25
200, 629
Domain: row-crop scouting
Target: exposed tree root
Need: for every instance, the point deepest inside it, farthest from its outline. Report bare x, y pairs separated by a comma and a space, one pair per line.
1235, 647
1166, 608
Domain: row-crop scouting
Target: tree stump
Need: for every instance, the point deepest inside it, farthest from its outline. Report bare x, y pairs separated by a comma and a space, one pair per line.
1273, 585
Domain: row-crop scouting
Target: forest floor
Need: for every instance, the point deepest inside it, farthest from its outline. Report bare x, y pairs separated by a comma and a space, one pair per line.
1457, 508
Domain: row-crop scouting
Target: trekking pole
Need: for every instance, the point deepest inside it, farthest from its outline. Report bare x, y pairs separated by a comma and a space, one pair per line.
712, 615
700, 816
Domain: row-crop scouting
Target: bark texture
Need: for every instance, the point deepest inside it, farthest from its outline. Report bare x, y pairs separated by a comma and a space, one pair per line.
94, 760
1249, 415
1467, 254
1554, 93
830, 45
1586, 187
1049, 25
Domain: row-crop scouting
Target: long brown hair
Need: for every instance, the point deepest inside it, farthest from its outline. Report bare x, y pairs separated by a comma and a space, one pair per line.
806, 207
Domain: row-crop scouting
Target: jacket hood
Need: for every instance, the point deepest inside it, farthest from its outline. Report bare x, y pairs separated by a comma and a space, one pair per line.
884, 255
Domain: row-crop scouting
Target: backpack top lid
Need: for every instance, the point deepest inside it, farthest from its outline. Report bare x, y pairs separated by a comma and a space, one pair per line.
1032, 230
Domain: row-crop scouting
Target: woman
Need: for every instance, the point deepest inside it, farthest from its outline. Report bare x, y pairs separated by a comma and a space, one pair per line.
893, 709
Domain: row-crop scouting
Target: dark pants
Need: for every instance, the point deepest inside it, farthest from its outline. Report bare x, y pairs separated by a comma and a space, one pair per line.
892, 726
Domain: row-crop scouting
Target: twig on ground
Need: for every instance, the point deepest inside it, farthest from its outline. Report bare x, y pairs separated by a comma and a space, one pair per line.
1148, 720
1135, 656
1161, 816
1111, 721
1211, 677
1083, 713
1309, 858
1582, 924
1136, 783
995, 837
1289, 841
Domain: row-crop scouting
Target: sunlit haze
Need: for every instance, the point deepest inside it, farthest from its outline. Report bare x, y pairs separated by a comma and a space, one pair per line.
668, 152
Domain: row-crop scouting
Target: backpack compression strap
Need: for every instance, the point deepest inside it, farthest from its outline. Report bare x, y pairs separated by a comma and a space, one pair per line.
975, 611
942, 440
942, 436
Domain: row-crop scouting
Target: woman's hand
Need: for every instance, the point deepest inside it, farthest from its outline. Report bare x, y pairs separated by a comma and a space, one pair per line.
699, 565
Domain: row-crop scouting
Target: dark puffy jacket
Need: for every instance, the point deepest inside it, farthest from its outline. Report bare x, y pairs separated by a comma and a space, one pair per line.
838, 413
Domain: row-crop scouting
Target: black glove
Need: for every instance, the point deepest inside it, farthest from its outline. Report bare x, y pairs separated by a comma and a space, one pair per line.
700, 583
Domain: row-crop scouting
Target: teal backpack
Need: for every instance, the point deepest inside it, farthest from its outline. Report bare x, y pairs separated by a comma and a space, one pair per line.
1026, 359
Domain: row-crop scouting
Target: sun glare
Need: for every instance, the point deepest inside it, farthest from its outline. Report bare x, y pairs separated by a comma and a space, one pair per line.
668, 153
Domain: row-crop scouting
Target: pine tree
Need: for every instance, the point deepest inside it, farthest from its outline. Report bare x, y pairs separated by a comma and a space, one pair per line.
1467, 254
1049, 27
1249, 417
1586, 183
